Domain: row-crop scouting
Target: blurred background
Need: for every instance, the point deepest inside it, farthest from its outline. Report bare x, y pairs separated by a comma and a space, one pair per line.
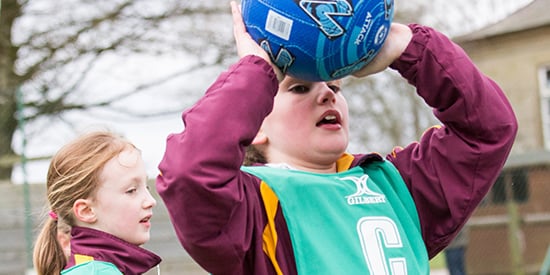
132, 66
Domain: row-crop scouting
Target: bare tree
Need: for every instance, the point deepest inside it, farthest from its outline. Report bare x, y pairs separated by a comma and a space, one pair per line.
384, 108
48, 49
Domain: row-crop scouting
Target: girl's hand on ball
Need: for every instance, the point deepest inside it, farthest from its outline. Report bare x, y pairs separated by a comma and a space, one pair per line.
398, 39
245, 44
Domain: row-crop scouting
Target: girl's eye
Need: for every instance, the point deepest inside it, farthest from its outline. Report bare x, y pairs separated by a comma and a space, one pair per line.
131, 191
335, 88
299, 89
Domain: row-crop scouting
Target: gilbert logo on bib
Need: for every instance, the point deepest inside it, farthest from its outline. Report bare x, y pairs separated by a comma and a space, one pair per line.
363, 195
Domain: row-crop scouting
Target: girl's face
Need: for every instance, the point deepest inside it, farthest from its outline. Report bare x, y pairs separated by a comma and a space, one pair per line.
308, 127
123, 204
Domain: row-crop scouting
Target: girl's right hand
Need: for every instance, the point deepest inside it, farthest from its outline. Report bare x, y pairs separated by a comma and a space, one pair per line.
245, 44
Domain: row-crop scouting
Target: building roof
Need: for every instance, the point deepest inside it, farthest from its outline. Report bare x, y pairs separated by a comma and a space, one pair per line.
533, 15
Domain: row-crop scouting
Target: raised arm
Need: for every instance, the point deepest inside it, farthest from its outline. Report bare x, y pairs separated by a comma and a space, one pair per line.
212, 204
452, 167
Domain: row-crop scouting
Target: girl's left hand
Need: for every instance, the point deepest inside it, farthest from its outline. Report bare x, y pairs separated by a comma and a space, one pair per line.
397, 41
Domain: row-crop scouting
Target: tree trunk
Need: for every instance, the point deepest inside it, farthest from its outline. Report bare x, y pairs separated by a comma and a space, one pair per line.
9, 82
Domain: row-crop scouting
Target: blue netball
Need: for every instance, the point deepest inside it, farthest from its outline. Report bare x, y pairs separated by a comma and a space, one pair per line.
319, 40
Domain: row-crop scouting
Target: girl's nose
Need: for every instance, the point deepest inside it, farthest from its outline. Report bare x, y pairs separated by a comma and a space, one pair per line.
326, 94
149, 200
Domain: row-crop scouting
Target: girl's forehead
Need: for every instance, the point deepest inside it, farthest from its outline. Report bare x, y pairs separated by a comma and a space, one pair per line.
129, 157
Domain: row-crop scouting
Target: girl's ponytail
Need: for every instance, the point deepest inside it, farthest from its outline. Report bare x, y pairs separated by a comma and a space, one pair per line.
48, 256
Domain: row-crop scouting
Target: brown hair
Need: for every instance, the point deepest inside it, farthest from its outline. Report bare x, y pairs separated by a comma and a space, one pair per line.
253, 155
73, 174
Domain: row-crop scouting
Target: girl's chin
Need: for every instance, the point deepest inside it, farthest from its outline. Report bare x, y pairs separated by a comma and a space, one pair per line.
334, 150
141, 242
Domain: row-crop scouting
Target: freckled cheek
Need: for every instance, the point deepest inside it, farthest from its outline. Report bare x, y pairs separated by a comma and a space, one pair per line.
287, 111
289, 114
297, 117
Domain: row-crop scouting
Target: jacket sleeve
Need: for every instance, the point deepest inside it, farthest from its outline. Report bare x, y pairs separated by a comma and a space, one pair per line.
212, 204
452, 167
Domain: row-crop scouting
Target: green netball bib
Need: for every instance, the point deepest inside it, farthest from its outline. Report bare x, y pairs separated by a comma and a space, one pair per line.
361, 221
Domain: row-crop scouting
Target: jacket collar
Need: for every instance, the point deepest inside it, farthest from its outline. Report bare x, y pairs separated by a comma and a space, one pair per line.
101, 246
347, 161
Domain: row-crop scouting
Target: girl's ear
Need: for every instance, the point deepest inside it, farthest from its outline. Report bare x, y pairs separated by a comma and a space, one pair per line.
260, 138
83, 211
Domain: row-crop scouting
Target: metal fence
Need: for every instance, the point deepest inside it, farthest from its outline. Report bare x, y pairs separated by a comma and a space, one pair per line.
13, 243
510, 230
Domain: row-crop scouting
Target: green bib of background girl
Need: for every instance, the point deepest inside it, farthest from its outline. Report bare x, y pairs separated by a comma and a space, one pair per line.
366, 211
